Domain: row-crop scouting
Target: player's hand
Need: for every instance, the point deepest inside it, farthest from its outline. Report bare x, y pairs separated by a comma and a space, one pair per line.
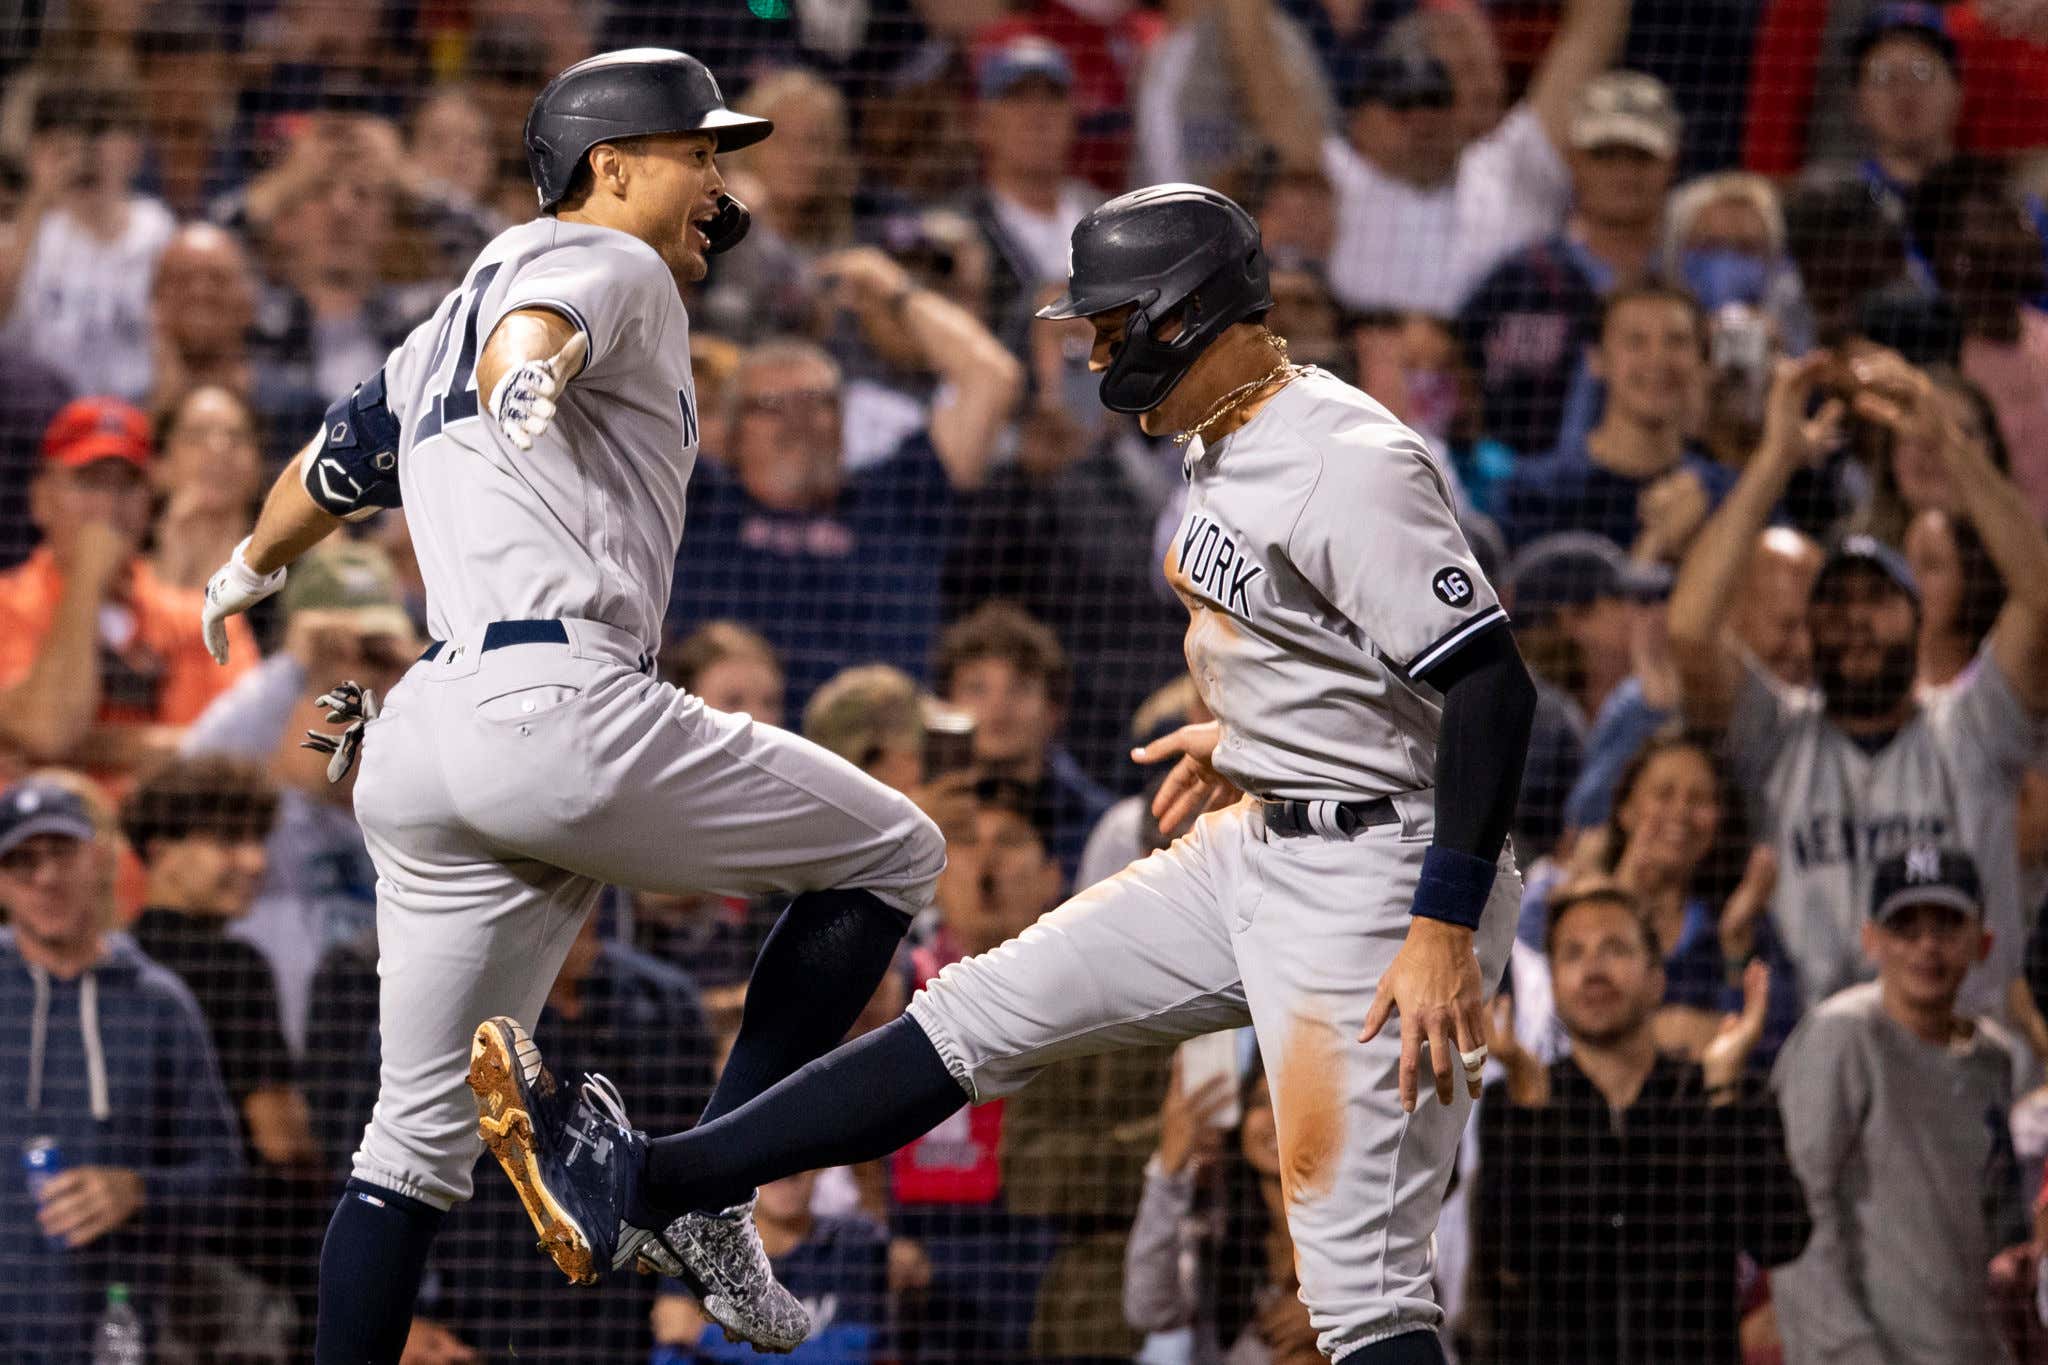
85, 1203
1194, 786
523, 404
233, 589
1722, 1062
348, 703
1433, 984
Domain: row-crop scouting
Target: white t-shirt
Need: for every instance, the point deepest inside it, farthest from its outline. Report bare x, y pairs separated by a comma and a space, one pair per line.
1407, 248
1045, 237
83, 303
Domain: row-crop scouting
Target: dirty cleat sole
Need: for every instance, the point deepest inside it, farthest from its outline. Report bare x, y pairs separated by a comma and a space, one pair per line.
504, 1065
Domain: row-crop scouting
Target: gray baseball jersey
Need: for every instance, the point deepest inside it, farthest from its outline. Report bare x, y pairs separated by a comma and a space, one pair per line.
582, 525
1325, 574
1833, 811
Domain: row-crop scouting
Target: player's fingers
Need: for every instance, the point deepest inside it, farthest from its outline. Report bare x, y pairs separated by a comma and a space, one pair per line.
1160, 749
1470, 1030
1443, 1057
1411, 1060
216, 633
539, 414
1376, 1017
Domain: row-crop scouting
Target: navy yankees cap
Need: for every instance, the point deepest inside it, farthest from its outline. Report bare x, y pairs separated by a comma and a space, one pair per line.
1869, 554
1927, 875
31, 807
1923, 21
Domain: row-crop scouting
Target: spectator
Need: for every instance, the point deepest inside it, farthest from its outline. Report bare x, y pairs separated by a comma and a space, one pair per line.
1105, 42
1529, 323
729, 668
1768, 620
200, 826
1027, 202
453, 179
1987, 257
1638, 479
1846, 774
1672, 843
1008, 671
101, 662
1961, 594
1193, 126
1431, 196
1844, 249
1070, 531
1895, 1104
1418, 368
341, 620
958, 385
874, 717
188, 100
323, 221
1241, 1302
1572, 594
106, 1053
836, 1265
1908, 100
210, 478
76, 261
1618, 1184
947, 1189
202, 307
1724, 237
788, 528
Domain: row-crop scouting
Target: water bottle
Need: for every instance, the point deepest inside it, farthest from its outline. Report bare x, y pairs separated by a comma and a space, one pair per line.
42, 1160
119, 1340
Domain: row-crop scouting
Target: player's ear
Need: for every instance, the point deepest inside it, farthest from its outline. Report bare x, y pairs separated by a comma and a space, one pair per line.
608, 168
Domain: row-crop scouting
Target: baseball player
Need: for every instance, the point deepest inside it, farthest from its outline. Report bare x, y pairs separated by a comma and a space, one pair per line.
541, 428
1351, 864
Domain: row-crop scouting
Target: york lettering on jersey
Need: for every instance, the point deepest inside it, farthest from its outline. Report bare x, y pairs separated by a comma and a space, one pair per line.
1213, 562
1827, 840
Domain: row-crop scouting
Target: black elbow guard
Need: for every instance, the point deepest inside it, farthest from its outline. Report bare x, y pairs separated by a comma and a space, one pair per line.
354, 473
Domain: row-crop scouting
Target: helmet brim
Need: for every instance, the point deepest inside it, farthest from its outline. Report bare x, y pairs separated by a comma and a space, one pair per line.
734, 130
1083, 305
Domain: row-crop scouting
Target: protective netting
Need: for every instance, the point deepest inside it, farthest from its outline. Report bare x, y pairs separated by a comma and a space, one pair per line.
1726, 323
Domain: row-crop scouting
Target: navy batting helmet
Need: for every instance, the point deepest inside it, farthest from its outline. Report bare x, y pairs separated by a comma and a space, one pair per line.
1167, 250
633, 93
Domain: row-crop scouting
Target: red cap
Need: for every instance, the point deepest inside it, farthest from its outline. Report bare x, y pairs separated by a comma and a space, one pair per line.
89, 429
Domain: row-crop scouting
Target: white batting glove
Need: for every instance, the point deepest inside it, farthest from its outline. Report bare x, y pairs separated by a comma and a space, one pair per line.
523, 403
233, 589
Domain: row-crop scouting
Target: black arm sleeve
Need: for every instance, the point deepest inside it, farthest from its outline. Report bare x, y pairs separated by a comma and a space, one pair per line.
1489, 703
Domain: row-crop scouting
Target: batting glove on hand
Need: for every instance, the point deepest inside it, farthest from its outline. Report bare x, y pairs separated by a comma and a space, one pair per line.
523, 403
233, 589
350, 702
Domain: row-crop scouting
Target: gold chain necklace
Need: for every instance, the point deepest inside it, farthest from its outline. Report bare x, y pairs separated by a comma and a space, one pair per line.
1239, 396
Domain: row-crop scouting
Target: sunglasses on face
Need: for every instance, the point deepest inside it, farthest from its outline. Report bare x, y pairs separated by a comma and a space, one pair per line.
1918, 71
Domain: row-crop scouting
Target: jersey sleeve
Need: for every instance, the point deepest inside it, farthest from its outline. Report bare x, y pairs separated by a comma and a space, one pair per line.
1377, 536
1760, 721
618, 295
1987, 725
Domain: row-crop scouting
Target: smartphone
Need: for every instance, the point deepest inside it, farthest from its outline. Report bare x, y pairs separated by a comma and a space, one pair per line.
1211, 1057
948, 741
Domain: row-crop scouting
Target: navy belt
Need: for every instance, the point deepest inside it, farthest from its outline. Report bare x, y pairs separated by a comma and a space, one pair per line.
1328, 819
499, 634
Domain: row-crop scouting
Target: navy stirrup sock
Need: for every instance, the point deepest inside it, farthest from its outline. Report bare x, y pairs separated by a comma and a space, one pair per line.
857, 1104
370, 1268
816, 973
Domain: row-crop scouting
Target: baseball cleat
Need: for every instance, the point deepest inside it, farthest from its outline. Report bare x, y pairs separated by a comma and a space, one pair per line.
720, 1258
573, 1160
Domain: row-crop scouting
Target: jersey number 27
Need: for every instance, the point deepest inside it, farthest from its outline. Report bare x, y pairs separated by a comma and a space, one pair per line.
458, 403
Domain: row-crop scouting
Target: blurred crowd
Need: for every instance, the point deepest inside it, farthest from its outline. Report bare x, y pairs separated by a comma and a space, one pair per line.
1728, 322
